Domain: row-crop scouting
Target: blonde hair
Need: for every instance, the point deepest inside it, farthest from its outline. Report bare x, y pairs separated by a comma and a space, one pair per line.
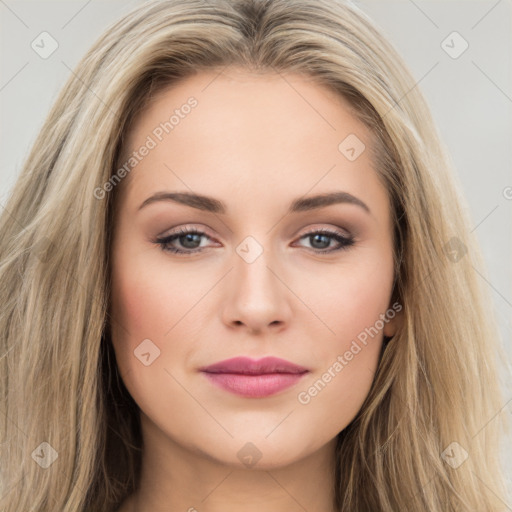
436, 382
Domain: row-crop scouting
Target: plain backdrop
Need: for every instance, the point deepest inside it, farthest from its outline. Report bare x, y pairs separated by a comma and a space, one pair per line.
459, 51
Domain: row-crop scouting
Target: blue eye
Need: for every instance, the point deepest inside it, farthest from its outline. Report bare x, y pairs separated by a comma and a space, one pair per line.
190, 241
321, 240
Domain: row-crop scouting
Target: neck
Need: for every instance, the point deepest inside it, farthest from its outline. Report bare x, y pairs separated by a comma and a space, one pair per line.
175, 478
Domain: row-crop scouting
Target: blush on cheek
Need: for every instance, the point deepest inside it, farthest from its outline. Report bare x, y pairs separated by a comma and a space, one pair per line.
361, 351
135, 296
131, 308
359, 340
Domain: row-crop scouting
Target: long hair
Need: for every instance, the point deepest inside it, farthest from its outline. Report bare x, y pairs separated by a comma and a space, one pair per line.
70, 433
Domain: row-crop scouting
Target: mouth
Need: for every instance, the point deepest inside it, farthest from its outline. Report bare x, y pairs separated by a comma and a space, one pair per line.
254, 378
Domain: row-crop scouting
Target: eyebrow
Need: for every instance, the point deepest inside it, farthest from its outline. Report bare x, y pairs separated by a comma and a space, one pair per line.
213, 205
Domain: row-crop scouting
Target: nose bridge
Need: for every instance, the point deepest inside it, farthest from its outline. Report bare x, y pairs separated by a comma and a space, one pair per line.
257, 297
253, 262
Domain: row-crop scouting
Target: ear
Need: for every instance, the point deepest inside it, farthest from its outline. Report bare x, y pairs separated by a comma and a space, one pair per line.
395, 316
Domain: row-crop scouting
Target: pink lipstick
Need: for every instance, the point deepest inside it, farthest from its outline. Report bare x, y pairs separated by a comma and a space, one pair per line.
254, 378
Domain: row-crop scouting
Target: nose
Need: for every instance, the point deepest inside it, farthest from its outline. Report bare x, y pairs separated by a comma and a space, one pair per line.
257, 299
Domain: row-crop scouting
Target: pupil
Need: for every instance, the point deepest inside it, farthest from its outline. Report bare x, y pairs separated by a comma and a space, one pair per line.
317, 238
189, 238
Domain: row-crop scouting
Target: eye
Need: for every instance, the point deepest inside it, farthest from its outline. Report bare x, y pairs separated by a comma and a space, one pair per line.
188, 241
320, 240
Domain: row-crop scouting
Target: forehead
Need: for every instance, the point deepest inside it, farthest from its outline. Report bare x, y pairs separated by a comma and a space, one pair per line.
250, 94
245, 131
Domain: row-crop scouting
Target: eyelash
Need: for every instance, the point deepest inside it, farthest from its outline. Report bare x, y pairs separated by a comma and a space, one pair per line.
345, 242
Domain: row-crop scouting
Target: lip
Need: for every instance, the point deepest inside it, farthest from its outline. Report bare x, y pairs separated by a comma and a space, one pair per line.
254, 378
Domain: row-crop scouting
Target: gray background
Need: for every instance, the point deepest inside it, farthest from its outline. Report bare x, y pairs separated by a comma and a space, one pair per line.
470, 97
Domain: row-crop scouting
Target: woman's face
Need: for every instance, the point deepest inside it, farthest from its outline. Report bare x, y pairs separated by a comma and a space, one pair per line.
242, 161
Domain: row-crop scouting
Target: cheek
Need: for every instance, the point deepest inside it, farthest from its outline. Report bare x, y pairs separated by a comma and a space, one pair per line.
349, 299
152, 302
146, 305
146, 300
143, 307
353, 304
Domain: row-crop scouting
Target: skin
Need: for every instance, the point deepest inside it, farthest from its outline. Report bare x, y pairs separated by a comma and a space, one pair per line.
255, 142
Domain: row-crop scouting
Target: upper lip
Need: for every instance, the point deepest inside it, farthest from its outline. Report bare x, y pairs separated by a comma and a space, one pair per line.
248, 366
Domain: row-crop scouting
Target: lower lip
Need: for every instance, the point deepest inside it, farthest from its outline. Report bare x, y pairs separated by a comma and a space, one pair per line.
254, 386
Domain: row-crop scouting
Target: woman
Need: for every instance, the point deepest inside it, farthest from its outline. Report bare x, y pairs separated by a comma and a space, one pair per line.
236, 273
